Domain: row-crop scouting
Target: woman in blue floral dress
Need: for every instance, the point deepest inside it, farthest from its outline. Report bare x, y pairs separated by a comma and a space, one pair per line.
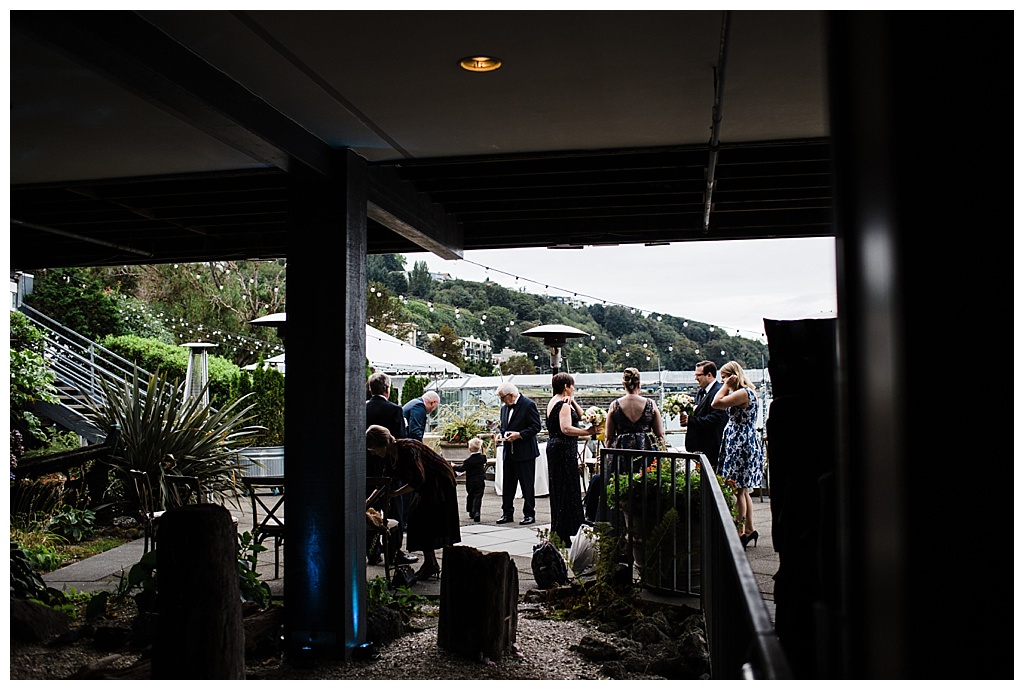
742, 453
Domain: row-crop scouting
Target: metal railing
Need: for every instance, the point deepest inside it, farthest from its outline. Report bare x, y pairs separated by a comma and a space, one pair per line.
79, 363
675, 519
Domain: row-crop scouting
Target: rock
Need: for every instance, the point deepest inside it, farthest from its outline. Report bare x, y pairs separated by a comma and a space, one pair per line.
646, 632
383, 625
32, 622
596, 649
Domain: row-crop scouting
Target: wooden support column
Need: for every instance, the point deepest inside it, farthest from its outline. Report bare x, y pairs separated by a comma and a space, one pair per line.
922, 127
325, 470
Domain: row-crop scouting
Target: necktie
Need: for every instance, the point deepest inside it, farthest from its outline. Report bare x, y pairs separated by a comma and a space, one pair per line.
700, 396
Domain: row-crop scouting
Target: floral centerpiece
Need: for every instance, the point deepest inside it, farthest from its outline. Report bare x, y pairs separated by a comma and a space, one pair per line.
677, 404
595, 415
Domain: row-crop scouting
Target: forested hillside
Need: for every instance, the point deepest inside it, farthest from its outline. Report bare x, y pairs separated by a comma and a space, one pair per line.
619, 337
215, 301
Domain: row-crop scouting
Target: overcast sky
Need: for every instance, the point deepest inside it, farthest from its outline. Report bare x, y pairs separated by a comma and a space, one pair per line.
732, 284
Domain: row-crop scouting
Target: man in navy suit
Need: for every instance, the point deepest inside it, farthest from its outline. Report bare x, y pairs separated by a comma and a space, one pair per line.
520, 424
416, 411
705, 426
383, 412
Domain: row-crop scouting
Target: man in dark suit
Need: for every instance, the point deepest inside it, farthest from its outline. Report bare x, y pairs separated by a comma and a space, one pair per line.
381, 411
520, 424
705, 426
416, 412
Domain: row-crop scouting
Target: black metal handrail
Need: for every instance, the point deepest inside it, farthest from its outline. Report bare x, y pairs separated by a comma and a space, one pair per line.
704, 557
741, 635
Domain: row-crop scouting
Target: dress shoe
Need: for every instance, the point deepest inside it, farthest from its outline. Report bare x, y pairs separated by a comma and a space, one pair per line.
528, 521
427, 572
505, 519
476, 518
402, 558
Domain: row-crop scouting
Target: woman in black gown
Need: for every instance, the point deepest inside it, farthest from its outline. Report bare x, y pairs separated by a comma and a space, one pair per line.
434, 519
563, 416
633, 423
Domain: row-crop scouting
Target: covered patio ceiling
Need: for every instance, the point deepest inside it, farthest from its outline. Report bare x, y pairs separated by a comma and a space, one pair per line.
159, 136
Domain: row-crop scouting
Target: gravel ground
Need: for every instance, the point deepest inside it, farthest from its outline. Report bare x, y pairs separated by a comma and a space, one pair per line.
545, 647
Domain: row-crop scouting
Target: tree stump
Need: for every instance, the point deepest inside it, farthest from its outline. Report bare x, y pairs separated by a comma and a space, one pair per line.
199, 629
479, 598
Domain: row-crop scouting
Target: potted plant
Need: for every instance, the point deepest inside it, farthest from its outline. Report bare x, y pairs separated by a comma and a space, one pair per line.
457, 427
661, 505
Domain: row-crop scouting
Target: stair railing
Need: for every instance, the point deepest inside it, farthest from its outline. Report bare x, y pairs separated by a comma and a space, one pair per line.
79, 363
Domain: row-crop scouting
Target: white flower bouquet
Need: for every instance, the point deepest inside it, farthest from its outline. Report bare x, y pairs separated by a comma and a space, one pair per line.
595, 415
677, 404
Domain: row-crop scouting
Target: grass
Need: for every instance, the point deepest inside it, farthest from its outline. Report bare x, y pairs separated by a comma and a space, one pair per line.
48, 552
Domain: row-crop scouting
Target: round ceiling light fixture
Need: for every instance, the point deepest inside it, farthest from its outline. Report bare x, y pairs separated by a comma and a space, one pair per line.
480, 63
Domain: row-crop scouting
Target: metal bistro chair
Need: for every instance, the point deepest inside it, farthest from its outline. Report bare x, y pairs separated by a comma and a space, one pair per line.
267, 497
180, 490
377, 488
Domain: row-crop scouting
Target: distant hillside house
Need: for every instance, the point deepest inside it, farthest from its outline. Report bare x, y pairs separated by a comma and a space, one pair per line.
505, 355
440, 277
475, 350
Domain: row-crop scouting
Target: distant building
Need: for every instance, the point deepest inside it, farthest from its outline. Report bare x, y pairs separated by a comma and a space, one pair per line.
440, 277
475, 350
505, 355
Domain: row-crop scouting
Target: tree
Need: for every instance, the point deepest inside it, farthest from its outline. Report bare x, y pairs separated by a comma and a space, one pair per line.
580, 358
386, 312
479, 368
413, 388
447, 346
518, 364
82, 305
420, 282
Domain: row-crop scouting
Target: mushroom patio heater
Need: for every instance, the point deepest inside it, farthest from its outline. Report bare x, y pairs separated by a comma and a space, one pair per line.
278, 321
554, 336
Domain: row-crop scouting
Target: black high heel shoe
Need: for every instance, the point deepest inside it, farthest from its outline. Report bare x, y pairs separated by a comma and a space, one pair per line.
425, 572
745, 539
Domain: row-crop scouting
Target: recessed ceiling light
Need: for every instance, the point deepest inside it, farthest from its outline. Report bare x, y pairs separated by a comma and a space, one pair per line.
480, 63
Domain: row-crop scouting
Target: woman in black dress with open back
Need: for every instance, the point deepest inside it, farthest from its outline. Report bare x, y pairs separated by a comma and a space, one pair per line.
563, 416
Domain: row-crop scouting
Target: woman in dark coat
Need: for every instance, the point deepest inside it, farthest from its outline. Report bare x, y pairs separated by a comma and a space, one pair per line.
434, 518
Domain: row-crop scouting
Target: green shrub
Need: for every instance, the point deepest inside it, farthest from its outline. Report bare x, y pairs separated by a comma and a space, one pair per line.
413, 388
74, 524
267, 386
151, 354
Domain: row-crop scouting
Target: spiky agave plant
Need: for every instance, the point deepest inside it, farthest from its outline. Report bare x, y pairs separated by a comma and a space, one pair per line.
161, 434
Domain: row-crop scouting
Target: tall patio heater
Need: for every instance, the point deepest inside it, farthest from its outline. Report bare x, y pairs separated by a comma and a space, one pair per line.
197, 374
554, 336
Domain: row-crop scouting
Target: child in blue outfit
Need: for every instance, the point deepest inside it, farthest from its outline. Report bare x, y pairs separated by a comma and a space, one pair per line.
474, 466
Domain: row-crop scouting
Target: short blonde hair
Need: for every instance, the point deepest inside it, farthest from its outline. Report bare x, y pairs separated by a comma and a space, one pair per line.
475, 444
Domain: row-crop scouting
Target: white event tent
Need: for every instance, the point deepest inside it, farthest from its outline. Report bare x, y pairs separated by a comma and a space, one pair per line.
392, 356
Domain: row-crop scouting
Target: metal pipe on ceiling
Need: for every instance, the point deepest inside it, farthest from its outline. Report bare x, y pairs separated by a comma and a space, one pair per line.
82, 238
716, 115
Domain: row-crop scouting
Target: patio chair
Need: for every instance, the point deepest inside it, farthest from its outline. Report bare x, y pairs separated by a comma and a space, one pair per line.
267, 497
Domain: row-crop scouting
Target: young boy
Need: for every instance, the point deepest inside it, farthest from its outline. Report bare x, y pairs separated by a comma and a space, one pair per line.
474, 466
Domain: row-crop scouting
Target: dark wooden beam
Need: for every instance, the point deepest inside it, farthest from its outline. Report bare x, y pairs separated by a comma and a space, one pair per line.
137, 55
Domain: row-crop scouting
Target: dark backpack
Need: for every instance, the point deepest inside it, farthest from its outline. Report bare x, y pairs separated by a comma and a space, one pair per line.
549, 567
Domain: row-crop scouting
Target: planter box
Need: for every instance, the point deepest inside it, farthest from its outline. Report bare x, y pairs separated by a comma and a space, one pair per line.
270, 457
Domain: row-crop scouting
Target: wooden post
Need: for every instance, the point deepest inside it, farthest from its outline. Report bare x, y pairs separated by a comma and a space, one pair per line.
479, 598
199, 629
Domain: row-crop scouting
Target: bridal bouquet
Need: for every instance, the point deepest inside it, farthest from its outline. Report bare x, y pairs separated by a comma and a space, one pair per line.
677, 403
595, 415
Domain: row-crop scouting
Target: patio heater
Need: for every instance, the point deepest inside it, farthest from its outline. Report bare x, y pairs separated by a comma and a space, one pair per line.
554, 336
278, 321
197, 374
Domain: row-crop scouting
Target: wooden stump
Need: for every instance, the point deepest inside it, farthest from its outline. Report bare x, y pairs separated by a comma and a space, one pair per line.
199, 629
479, 597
